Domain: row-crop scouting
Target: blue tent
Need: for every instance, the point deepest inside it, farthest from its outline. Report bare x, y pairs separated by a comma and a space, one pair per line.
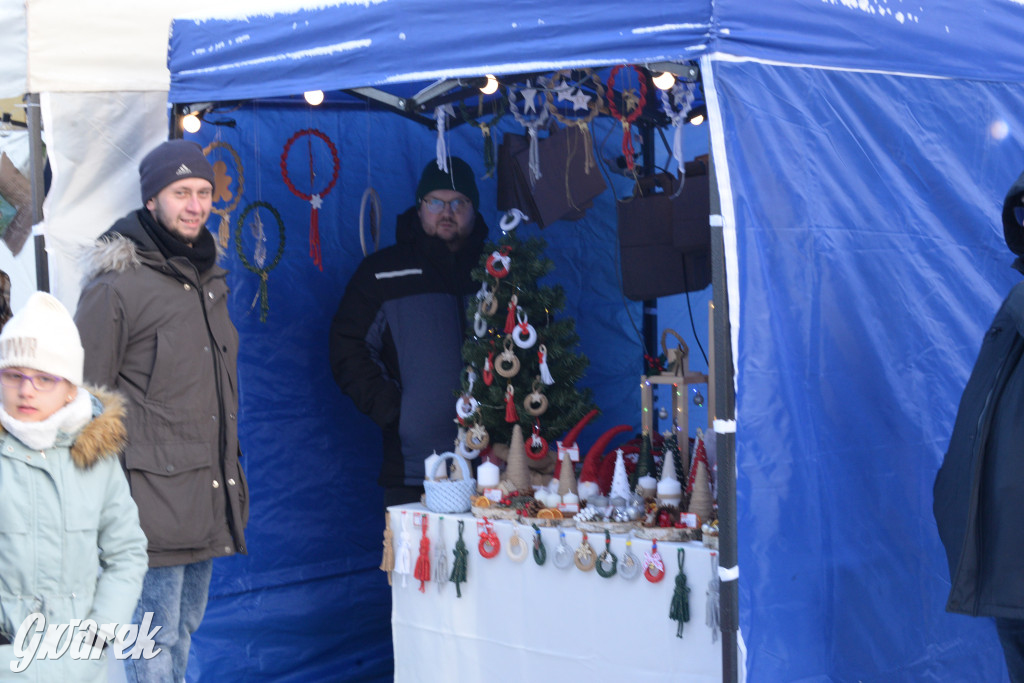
861, 152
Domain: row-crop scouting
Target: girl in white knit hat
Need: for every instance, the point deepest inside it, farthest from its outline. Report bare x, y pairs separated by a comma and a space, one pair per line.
71, 548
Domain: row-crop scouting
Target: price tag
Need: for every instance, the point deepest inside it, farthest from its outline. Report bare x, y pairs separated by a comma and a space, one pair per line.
689, 520
573, 451
493, 495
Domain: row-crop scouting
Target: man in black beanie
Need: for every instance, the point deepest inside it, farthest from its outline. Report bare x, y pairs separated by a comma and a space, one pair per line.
153, 317
396, 339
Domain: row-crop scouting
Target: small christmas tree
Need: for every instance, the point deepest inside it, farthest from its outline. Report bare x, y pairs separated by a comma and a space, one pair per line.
523, 357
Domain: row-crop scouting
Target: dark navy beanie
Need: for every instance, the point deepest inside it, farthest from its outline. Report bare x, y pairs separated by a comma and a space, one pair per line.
169, 162
460, 179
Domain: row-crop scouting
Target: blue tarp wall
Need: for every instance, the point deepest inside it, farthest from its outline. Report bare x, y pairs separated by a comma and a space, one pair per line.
862, 151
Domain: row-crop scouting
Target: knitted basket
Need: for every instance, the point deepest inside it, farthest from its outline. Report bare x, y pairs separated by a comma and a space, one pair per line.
449, 495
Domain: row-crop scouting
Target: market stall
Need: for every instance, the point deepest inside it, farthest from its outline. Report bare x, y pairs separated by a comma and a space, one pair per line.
550, 621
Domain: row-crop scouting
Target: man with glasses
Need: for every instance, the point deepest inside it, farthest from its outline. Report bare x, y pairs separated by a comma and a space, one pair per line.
396, 339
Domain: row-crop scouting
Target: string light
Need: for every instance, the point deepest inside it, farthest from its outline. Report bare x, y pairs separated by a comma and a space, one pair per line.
491, 86
191, 123
664, 81
314, 97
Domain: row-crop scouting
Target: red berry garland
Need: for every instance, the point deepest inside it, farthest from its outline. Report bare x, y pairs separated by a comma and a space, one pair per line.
627, 139
314, 198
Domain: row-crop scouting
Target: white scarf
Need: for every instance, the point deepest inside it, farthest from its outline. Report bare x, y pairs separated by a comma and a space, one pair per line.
67, 421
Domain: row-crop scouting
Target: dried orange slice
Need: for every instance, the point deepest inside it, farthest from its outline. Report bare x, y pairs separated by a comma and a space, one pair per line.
557, 514
546, 513
483, 502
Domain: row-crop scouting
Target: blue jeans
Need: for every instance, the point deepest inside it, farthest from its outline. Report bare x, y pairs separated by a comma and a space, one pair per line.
177, 598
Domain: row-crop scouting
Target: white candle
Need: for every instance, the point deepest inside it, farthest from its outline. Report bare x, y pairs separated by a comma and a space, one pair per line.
670, 491
648, 485
571, 498
487, 475
429, 465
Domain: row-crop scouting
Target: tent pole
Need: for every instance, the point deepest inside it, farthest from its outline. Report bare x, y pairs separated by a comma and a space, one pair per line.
33, 119
725, 443
650, 306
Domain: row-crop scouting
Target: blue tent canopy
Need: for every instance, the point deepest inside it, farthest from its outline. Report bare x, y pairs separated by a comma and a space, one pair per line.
861, 152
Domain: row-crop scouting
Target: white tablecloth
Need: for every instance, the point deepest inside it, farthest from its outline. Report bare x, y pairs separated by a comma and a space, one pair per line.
518, 621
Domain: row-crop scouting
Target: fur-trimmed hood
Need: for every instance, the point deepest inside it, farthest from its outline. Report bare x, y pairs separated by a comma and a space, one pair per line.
102, 437
125, 246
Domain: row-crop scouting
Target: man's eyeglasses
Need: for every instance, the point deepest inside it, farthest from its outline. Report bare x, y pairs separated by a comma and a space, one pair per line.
435, 205
12, 379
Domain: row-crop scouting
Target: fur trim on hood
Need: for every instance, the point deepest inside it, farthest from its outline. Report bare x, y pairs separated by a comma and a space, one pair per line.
122, 248
105, 436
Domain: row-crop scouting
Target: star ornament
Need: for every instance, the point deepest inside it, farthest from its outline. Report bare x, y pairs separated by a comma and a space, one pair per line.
317, 201
580, 100
529, 95
563, 91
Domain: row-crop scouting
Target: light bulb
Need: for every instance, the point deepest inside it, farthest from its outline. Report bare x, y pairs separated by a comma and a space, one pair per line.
314, 97
491, 86
191, 123
697, 120
664, 80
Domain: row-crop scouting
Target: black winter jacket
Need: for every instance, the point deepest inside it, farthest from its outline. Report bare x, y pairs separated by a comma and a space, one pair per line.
979, 490
396, 343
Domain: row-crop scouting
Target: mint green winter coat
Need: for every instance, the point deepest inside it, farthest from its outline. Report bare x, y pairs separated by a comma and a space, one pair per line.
65, 515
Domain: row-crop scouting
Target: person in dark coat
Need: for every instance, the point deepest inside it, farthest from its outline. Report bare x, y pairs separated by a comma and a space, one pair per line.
979, 490
396, 338
154, 321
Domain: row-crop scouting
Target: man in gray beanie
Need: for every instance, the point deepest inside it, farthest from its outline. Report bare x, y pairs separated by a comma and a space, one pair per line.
153, 317
396, 339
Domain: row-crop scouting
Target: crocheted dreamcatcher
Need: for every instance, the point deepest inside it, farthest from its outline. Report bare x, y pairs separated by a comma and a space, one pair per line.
533, 117
633, 101
561, 89
259, 265
314, 197
225, 200
676, 103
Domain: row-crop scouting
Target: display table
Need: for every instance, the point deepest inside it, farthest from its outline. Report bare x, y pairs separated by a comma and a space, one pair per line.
520, 621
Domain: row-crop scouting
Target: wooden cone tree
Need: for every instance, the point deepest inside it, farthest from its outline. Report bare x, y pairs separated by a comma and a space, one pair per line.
517, 469
567, 476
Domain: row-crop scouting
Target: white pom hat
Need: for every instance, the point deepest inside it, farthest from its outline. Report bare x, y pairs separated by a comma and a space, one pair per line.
43, 336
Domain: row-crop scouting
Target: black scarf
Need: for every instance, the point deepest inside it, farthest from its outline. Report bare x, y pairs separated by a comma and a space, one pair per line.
202, 254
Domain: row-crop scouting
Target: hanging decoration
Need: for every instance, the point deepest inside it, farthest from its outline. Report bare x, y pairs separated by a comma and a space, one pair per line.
403, 553
387, 561
676, 103
585, 557
679, 610
607, 563
259, 265
654, 566
422, 570
461, 553
369, 205
563, 553
441, 115
222, 191
540, 553
565, 90
532, 125
485, 128
629, 567
713, 600
633, 102
516, 548
315, 199
440, 557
